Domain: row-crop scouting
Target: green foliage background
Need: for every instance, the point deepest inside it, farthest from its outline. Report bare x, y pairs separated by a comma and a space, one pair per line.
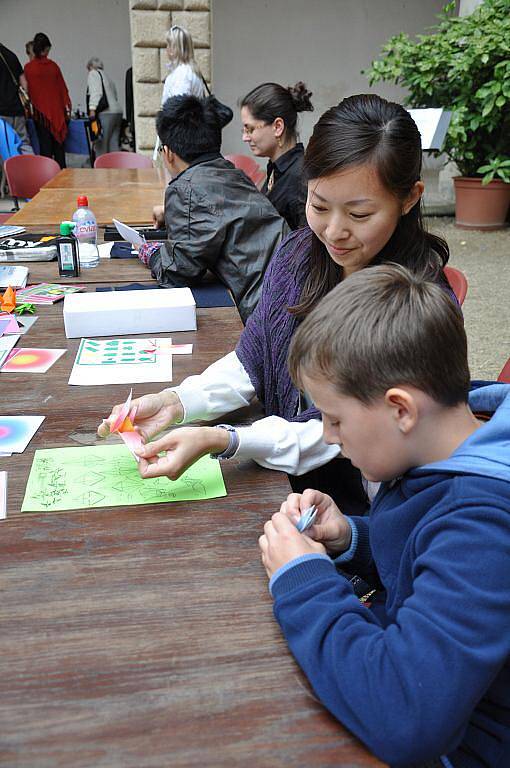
463, 65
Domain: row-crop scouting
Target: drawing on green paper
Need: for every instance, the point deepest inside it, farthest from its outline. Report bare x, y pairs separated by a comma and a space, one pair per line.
107, 476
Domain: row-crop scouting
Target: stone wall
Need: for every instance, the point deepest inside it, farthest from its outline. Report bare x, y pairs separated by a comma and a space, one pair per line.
150, 21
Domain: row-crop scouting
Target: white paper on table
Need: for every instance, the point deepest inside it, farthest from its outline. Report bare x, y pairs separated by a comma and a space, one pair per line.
6, 344
3, 495
182, 349
122, 361
128, 233
104, 250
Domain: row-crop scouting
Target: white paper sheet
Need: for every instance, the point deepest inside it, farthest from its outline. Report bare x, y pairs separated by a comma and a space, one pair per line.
128, 233
122, 361
6, 344
3, 495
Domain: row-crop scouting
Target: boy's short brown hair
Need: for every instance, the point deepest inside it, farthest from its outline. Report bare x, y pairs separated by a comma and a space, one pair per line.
383, 327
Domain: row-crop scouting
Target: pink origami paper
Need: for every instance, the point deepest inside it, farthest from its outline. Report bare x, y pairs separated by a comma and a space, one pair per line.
123, 426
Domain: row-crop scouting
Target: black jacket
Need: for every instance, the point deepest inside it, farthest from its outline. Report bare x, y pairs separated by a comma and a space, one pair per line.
288, 191
218, 220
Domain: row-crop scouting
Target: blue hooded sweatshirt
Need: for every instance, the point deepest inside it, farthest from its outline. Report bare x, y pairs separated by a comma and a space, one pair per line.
425, 672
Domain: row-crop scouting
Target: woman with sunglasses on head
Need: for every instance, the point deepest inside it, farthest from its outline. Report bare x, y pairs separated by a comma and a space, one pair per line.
362, 167
269, 115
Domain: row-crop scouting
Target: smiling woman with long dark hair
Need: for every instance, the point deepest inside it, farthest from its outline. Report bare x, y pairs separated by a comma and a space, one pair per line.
362, 167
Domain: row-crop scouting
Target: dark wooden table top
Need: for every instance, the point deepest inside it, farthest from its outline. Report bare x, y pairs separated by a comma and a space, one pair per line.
109, 271
144, 636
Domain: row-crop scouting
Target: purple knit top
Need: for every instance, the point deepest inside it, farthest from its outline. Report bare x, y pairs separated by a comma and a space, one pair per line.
264, 344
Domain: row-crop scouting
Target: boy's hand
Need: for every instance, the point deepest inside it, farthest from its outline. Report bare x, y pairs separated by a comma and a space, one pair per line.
330, 528
183, 447
153, 414
282, 543
158, 216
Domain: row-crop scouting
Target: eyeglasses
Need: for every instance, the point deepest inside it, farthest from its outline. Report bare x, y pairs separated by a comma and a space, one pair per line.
250, 129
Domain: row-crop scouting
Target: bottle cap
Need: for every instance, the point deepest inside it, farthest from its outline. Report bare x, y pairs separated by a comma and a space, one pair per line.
83, 201
66, 228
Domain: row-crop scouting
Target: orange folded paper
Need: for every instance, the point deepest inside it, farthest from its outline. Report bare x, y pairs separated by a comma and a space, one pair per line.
8, 303
123, 426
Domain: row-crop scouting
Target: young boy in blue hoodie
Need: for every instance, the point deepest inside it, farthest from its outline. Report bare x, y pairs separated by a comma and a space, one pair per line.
423, 673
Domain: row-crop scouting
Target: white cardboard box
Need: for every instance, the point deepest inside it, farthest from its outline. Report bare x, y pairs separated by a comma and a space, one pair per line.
110, 313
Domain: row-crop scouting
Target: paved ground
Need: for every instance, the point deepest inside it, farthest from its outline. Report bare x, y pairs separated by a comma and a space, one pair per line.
484, 257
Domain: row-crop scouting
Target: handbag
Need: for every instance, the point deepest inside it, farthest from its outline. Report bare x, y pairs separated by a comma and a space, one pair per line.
224, 113
22, 94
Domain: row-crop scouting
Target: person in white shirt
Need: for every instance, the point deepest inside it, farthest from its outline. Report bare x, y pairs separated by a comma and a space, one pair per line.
362, 166
102, 102
184, 77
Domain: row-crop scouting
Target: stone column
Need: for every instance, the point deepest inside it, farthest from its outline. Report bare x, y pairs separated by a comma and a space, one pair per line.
150, 21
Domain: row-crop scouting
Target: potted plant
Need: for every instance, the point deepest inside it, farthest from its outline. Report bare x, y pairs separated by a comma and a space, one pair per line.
463, 64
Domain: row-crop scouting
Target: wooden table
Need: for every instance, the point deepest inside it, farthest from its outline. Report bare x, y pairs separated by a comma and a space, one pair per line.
131, 204
144, 636
94, 178
109, 271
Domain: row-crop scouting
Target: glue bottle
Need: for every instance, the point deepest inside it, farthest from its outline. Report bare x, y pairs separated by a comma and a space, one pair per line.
86, 233
67, 251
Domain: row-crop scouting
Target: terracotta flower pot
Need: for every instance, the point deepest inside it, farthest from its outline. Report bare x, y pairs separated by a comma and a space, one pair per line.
478, 206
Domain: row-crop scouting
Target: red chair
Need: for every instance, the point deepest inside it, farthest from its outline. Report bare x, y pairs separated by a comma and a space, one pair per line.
26, 174
123, 160
458, 283
504, 376
250, 167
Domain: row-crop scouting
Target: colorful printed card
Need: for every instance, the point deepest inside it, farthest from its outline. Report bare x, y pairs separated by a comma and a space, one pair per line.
107, 476
8, 325
45, 293
29, 360
20, 325
17, 431
122, 361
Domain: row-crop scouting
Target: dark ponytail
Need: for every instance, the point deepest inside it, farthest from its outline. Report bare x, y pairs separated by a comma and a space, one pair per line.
40, 43
368, 130
268, 101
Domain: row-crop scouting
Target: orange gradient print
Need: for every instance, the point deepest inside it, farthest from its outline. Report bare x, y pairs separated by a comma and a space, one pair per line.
28, 360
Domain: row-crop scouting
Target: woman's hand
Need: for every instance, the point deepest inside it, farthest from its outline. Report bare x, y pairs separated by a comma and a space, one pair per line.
154, 413
182, 448
282, 543
330, 527
158, 216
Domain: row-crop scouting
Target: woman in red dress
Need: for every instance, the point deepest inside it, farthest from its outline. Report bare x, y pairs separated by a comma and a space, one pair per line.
50, 100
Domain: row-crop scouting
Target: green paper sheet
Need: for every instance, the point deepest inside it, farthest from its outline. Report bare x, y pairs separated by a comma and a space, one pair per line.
107, 476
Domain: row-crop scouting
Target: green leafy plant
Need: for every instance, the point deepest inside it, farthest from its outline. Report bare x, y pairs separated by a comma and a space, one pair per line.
463, 64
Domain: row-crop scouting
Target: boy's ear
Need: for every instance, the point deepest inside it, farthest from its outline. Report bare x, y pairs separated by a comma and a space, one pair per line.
413, 197
404, 408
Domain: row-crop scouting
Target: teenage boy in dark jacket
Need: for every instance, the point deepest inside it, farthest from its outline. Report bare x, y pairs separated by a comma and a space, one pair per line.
215, 217
423, 674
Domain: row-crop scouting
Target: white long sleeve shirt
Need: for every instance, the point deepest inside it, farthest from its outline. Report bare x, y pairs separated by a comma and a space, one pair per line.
183, 80
273, 442
95, 91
